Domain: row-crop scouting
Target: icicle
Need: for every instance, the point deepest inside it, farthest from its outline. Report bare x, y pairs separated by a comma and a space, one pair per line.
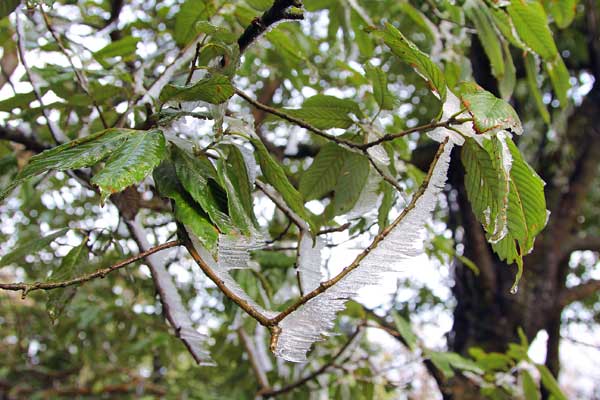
315, 318
233, 258
309, 261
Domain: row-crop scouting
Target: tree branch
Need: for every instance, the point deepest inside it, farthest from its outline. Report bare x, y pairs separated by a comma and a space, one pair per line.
101, 273
278, 12
17, 136
258, 369
579, 292
582, 243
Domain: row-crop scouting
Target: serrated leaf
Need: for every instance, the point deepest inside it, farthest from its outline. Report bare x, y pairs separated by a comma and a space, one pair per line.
78, 153
487, 184
405, 330
526, 214
199, 178
190, 13
322, 175
120, 48
550, 383
530, 389
131, 162
325, 112
408, 52
30, 247
351, 182
236, 180
478, 13
216, 90
72, 265
559, 77
563, 11
275, 175
531, 24
382, 95
531, 70
187, 211
8, 6
490, 114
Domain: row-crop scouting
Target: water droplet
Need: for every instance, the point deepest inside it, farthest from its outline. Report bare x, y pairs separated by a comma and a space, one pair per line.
514, 289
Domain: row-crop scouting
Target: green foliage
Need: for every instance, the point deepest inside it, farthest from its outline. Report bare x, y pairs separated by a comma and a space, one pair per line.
30, 247
325, 112
8, 7
216, 90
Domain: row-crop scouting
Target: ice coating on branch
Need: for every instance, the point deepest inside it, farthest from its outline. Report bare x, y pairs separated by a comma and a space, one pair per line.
221, 269
234, 251
377, 153
309, 261
451, 107
315, 318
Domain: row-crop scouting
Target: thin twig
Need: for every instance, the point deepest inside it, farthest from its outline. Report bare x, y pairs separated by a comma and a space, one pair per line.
258, 369
101, 273
313, 375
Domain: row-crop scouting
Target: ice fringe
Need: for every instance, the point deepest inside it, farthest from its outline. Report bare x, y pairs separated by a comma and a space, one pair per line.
315, 318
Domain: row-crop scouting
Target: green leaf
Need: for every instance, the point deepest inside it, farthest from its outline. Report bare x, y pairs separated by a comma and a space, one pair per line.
404, 329
490, 114
325, 112
79, 153
72, 265
447, 362
236, 180
530, 389
531, 24
352, 180
507, 82
550, 383
30, 247
275, 175
216, 32
387, 203
120, 48
479, 14
526, 214
216, 90
131, 163
382, 95
563, 11
559, 77
531, 70
487, 185
19, 100
199, 178
322, 175
408, 52
187, 211
190, 13
7, 7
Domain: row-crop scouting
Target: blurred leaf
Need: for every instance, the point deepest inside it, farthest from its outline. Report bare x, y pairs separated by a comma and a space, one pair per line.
32, 246
382, 95
8, 6
550, 383
531, 69
190, 13
405, 330
530, 389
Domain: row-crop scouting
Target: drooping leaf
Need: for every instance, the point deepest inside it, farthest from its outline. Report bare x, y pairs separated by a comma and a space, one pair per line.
275, 175
382, 95
216, 90
530, 389
131, 162
526, 213
322, 175
351, 183
486, 183
531, 24
490, 114
405, 330
508, 81
236, 180
563, 11
187, 211
30, 247
200, 180
408, 52
325, 112
447, 362
190, 13
559, 77
72, 265
79, 153
531, 69
550, 383
478, 12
